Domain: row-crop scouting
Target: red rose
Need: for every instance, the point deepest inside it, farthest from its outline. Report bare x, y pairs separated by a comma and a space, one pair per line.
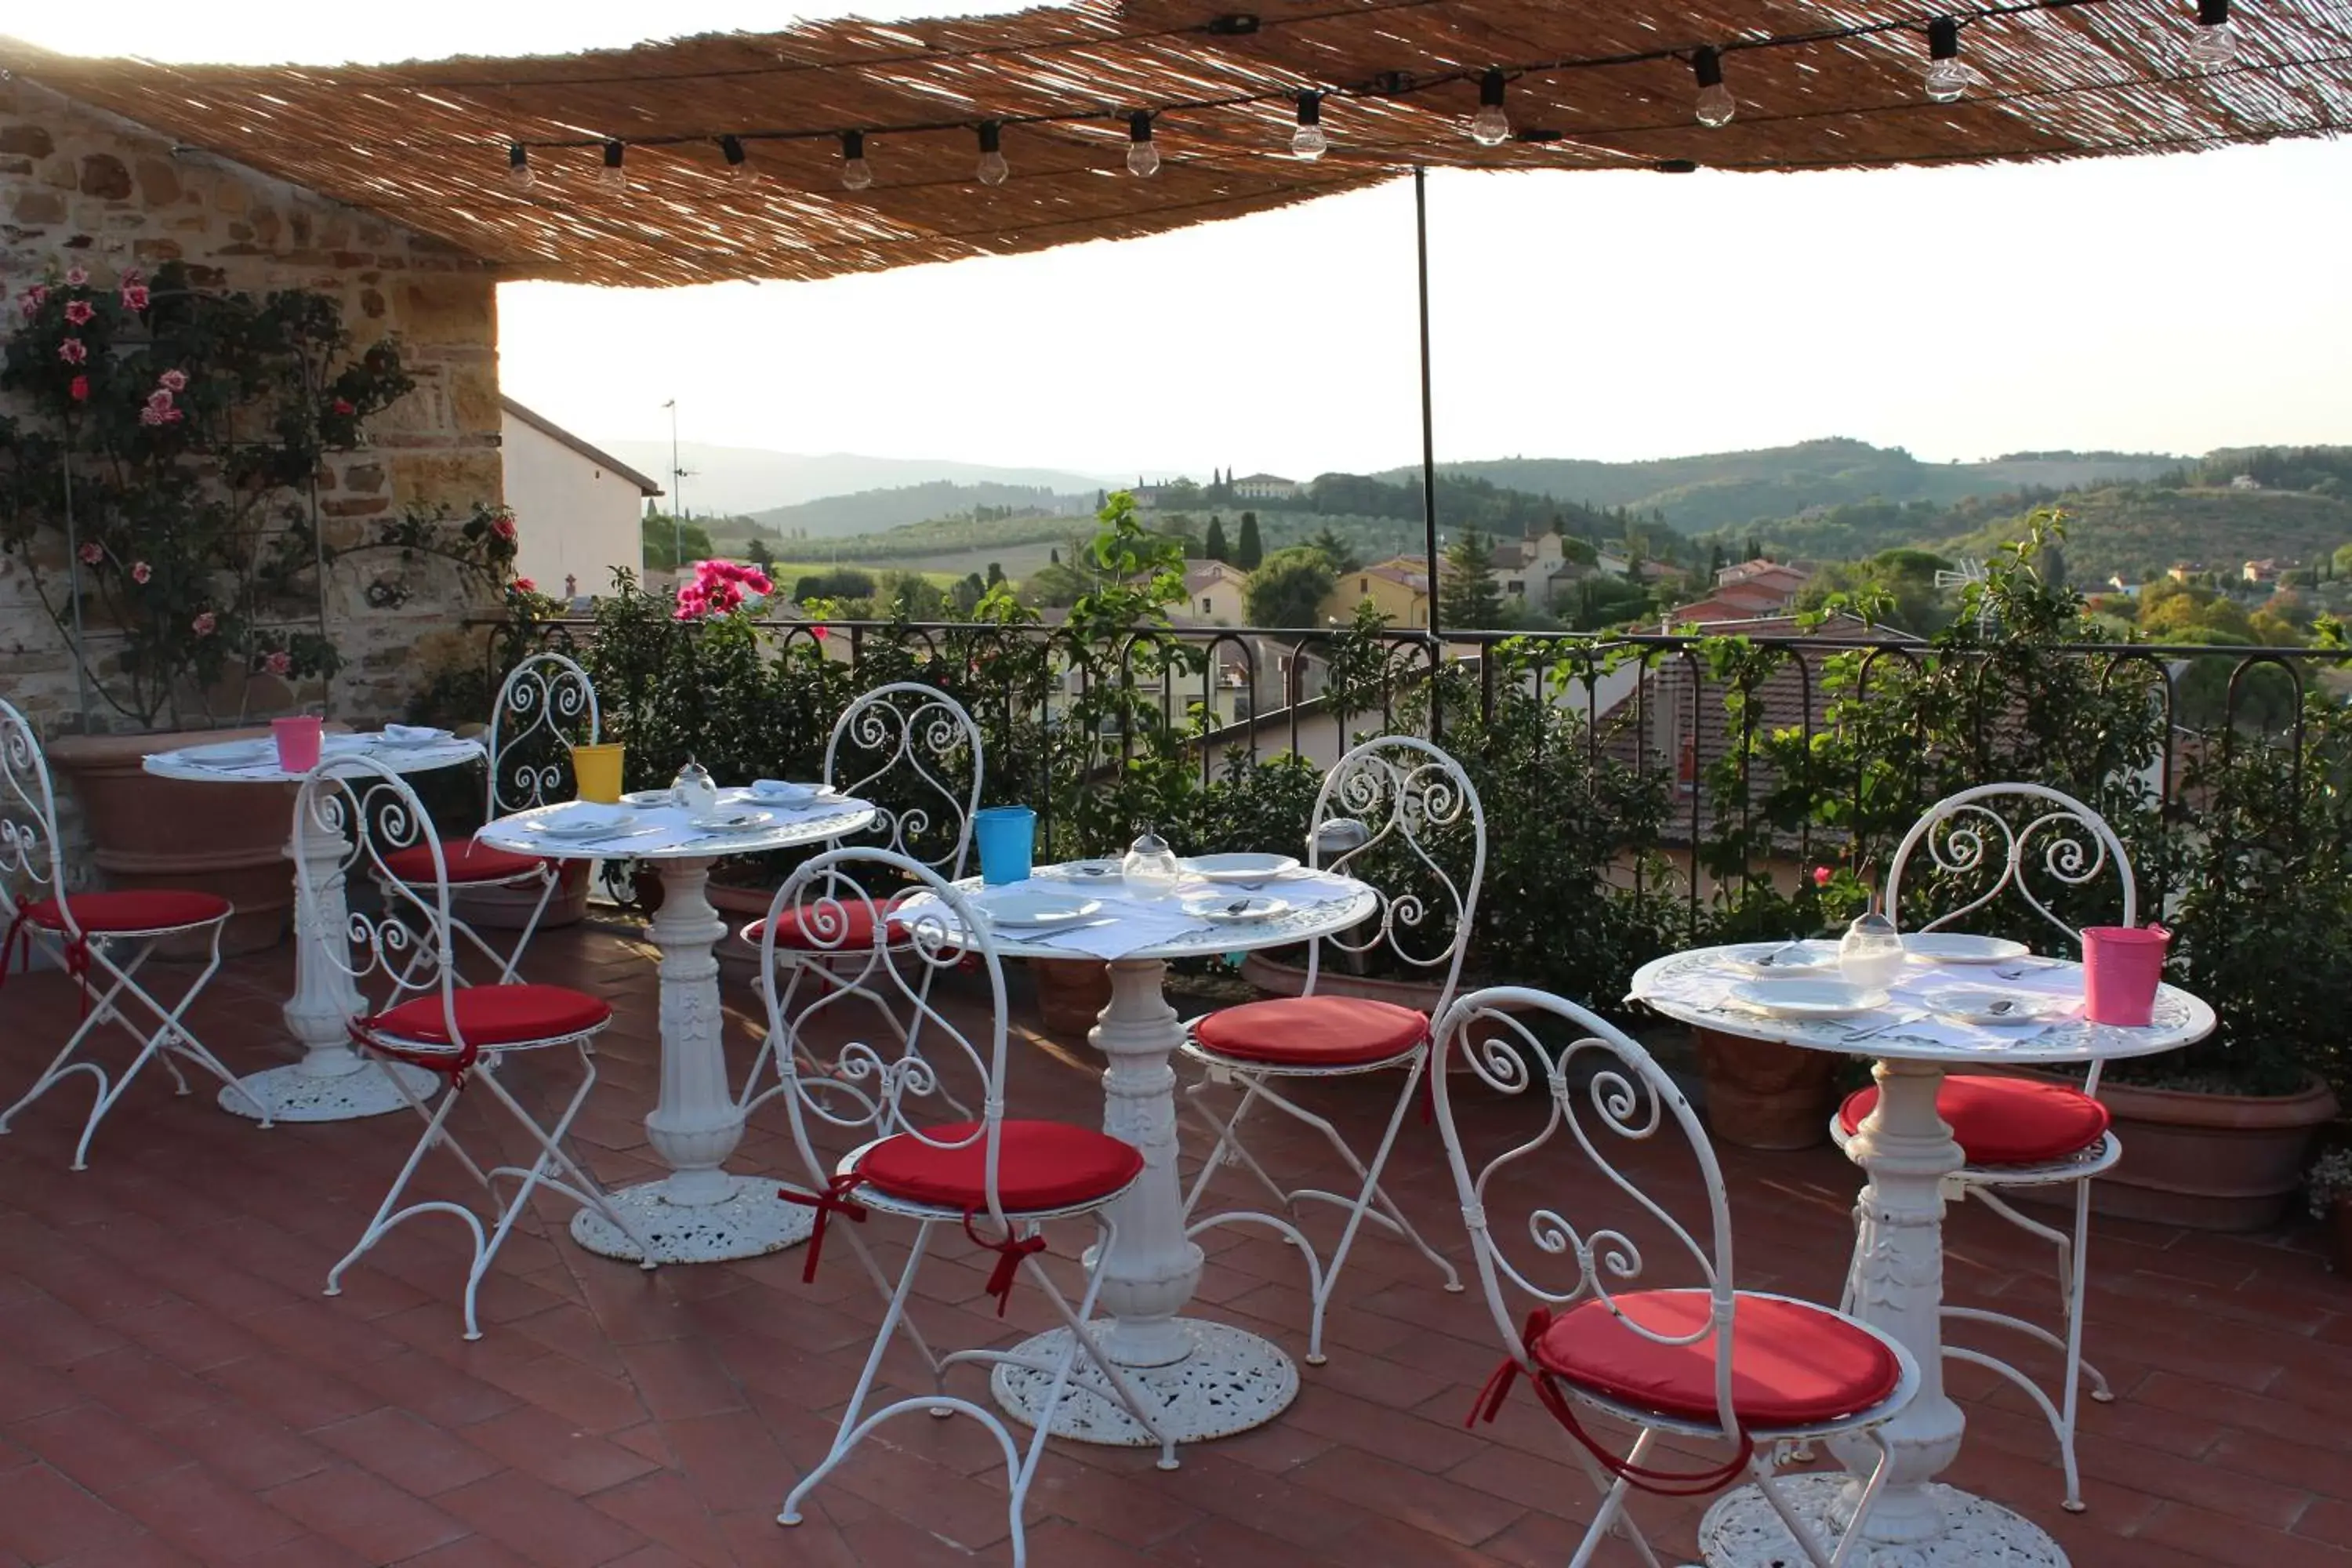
79, 389
344, 406
525, 585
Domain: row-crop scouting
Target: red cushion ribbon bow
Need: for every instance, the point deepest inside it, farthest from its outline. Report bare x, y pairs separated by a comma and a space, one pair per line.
1009, 1253
77, 954
833, 1200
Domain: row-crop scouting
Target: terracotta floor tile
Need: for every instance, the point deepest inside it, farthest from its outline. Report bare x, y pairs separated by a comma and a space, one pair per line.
358, 1510
665, 1510
541, 1443
95, 1449
44, 1517
205, 1513
408, 1451
541, 1524
578, 1393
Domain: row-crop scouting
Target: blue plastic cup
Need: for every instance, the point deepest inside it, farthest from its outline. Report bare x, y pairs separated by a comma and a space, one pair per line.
1007, 836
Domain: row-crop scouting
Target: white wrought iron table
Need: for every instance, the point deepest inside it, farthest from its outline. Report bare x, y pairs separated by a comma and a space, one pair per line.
1207, 1379
331, 1082
1906, 1151
699, 1213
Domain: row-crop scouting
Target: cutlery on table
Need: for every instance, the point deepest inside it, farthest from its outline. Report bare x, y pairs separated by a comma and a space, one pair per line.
614, 838
1900, 1021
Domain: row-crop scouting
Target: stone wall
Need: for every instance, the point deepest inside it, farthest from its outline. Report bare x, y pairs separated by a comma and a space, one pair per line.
79, 187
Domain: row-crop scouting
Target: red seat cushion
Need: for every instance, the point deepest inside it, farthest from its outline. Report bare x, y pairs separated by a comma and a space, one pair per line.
1039, 1165
1792, 1363
2004, 1121
495, 1016
138, 910
469, 860
1313, 1031
857, 913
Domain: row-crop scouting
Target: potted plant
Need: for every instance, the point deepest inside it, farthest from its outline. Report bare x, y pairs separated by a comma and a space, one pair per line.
2327, 1187
159, 476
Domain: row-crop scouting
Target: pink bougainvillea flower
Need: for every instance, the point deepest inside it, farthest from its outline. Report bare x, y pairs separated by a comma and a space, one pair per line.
279, 662
92, 554
31, 304
1821, 875
525, 585
759, 582
79, 389
79, 312
819, 633
205, 624
73, 351
134, 296
345, 406
76, 277
504, 527
141, 572
172, 380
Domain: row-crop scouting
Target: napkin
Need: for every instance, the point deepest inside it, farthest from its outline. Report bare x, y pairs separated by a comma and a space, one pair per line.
581, 816
415, 735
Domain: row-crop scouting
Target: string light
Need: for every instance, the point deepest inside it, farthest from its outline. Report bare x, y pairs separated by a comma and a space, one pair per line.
1948, 78
1308, 142
612, 178
1142, 157
739, 163
856, 173
2215, 42
519, 175
993, 170
1715, 105
1490, 127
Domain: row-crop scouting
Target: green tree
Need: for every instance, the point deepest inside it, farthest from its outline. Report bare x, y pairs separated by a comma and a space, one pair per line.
1288, 587
995, 575
668, 537
1468, 598
761, 556
841, 583
1214, 546
1250, 553
1596, 603
1335, 549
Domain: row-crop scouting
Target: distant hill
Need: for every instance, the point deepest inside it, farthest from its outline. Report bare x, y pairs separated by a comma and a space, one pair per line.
1729, 490
871, 512
751, 478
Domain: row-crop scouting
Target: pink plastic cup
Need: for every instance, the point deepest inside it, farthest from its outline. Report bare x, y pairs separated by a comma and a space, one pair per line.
298, 742
2121, 966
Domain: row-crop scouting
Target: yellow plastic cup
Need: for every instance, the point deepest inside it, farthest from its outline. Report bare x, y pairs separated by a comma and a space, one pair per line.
597, 772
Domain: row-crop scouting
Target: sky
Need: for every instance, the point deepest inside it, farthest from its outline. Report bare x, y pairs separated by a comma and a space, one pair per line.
2171, 304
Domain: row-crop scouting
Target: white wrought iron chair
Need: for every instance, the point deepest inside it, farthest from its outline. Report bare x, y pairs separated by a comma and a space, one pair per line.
1758, 1372
1391, 804
545, 704
433, 1020
2019, 1132
999, 1179
914, 751
103, 940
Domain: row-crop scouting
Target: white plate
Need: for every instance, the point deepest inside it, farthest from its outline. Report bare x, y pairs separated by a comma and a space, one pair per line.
416, 737
777, 792
1805, 960
232, 753
1958, 947
1237, 910
1029, 911
649, 799
1969, 1006
730, 821
1806, 998
1240, 867
578, 821
1081, 871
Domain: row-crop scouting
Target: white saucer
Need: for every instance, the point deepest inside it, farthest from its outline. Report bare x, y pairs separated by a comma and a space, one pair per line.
1031, 911
1218, 909
577, 821
730, 821
1958, 947
1969, 1004
774, 792
1804, 960
1806, 998
1081, 871
1240, 867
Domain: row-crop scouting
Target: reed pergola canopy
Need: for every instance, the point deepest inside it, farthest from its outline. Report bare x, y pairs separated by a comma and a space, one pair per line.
730, 156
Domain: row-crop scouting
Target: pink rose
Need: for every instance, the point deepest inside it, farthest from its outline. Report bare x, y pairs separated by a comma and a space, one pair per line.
525, 585
172, 380
79, 312
72, 351
344, 406
31, 304
160, 399
135, 297
1821, 875
205, 624
93, 554
75, 277
818, 633
131, 276
503, 527
141, 572
279, 663
151, 415
79, 389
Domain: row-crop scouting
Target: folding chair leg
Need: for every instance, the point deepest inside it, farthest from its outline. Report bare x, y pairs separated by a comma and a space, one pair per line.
852, 1429
1229, 1145
388, 1213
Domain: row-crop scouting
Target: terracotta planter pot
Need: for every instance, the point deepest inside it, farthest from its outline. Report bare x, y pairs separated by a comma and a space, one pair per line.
1762, 1094
1071, 994
1290, 980
2210, 1161
151, 832
2340, 1236
508, 909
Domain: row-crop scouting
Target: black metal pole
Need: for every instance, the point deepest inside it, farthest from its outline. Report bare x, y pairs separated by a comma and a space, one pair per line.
1428, 429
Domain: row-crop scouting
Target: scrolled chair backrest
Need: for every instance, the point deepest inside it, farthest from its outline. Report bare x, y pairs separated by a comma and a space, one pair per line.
847, 1084
1401, 814
351, 812
2008, 828
32, 860
546, 704
915, 753
1606, 1096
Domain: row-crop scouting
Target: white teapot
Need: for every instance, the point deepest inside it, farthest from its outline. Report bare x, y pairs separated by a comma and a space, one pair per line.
694, 789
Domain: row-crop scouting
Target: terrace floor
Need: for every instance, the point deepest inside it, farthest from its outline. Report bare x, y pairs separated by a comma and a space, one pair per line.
174, 1388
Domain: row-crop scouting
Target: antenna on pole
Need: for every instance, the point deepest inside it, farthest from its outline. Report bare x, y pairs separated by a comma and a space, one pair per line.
1963, 576
677, 477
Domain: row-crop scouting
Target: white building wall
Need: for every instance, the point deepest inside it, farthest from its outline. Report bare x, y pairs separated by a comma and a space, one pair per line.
572, 515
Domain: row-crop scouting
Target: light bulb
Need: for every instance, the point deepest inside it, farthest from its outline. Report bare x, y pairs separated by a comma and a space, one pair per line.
993, 170
612, 178
1715, 105
738, 163
1142, 157
1947, 80
1308, 142
856, 173
1490, 127
518, 176
2214, 44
